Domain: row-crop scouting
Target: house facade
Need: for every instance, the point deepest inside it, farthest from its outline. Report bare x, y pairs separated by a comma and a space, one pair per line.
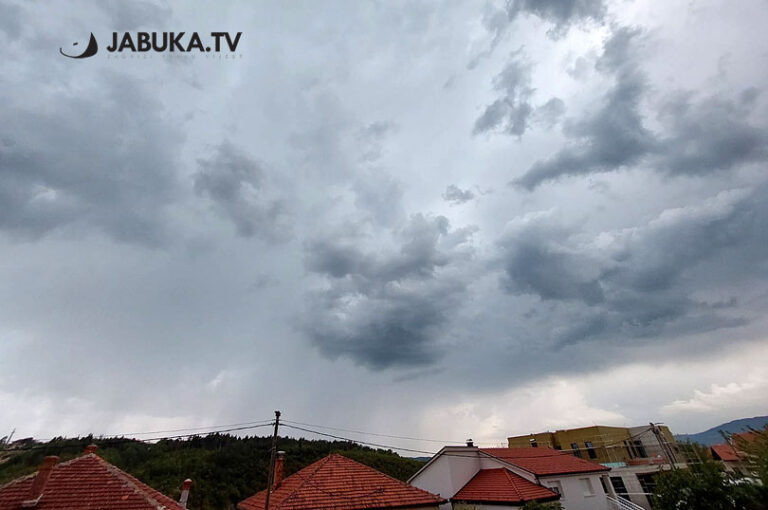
606, 445
541, 474
636, 455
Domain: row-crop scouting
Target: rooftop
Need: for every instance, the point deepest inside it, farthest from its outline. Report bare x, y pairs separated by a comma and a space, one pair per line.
502, 486
544, 461
89, 482
726, 452
336, 482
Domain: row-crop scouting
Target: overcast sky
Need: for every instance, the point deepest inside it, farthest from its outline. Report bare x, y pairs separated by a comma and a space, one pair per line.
433, 219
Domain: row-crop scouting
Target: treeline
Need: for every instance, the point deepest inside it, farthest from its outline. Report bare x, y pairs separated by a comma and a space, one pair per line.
225, 469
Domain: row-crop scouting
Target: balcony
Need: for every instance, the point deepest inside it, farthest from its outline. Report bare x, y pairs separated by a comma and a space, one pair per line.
621, 504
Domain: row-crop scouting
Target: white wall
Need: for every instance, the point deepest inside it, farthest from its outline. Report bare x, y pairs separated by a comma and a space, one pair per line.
447, 474
573, 497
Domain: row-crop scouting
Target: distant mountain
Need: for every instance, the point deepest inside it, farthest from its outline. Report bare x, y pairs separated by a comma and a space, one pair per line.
712, 436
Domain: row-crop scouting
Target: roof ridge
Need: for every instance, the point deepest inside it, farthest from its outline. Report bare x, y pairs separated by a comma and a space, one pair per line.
131, 481
384, 474
320, 463
507, 462
18, 479
34, 473
512, 482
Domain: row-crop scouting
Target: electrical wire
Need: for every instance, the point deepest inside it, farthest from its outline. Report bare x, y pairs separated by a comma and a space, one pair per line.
441, 441
112, 440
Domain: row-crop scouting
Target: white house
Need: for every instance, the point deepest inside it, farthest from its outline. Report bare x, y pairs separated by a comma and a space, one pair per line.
506, 478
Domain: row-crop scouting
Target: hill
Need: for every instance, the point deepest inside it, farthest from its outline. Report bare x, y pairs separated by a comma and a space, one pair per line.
225, 469
713, 436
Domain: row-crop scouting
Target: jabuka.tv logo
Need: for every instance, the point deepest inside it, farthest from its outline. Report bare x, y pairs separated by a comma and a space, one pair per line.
160, 42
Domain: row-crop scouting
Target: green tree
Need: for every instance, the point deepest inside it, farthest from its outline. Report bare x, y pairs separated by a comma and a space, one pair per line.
704, 487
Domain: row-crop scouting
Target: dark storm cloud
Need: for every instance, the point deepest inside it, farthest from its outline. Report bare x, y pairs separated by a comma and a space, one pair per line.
236, 185
89, 162
510, 112
710, 134
639, 282
697, 136
456, 196
386, 308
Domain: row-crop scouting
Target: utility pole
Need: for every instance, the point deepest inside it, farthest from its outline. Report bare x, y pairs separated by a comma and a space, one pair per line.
271, 477
664, 446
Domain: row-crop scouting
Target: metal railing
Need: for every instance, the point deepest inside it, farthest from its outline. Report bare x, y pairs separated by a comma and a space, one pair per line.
621, 504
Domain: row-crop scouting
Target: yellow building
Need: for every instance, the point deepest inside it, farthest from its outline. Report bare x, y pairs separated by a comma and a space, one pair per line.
606, 445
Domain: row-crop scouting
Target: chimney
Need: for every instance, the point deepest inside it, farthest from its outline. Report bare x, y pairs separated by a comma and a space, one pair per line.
91, 448
185, 492
470, 443
279, 468
38, 484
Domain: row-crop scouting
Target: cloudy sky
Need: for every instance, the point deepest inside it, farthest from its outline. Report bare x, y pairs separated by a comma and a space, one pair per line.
433, 219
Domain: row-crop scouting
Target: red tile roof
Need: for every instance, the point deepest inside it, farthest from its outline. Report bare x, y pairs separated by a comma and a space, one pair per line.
725, 452
87, 482
544, 461
502, 486
749, 436
336, 482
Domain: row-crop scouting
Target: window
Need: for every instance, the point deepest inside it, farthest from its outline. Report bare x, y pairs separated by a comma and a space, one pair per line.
640, 449
586, 486
590, 450
648, 484
618, 487
575, 449
556, 487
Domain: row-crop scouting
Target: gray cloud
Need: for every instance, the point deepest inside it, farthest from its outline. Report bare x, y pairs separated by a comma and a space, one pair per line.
89, 163
386, 308
10, 20
550, 113
372, 287
509, 112
614, 136
456, 196
638, 282
127, 16
562, 13
371, 139
710, 134
235, 184
698, 136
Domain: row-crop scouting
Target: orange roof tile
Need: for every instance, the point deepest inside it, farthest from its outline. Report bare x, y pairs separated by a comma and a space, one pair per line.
336, 482
86, 482
544, 461
502, 486
725, 452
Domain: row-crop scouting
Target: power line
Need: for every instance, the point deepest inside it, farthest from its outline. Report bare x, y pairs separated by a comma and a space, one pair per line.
267, 422
441, 441
342, 438
146, 440
205, 429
